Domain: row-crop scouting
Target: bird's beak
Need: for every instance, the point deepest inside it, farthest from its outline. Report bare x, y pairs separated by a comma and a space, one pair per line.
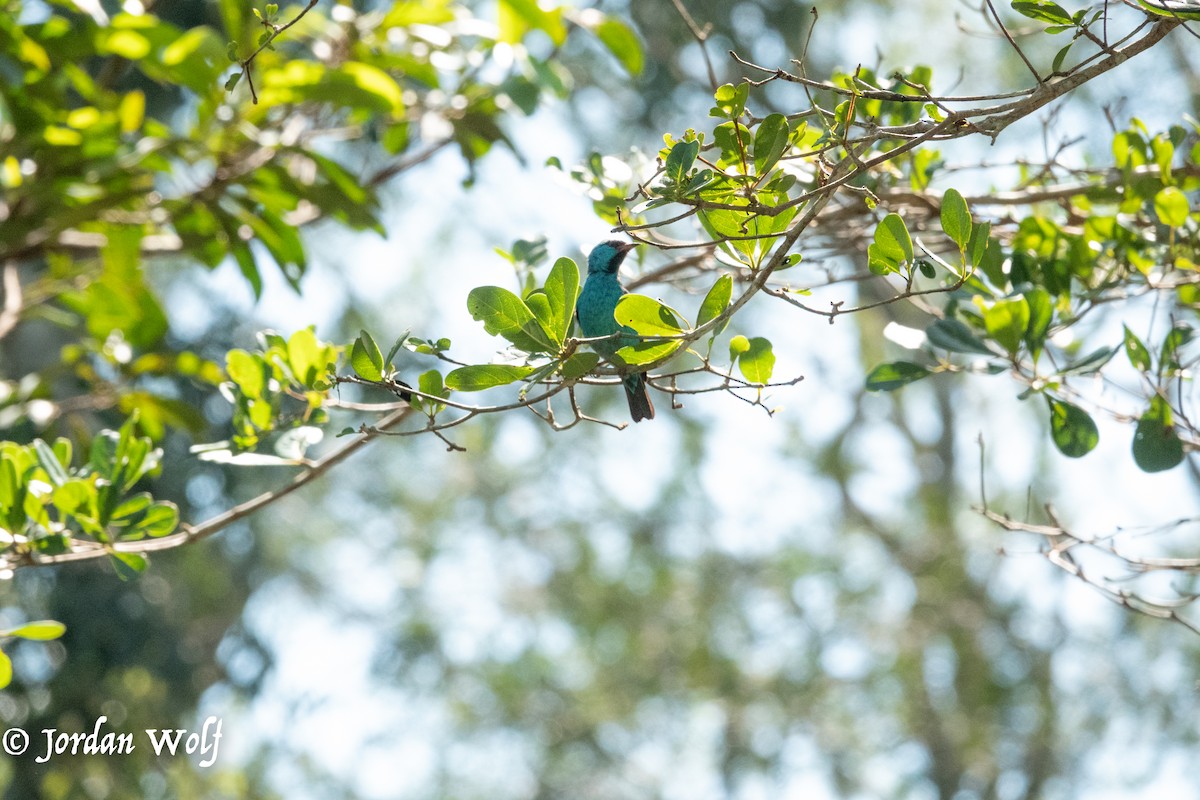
625, 247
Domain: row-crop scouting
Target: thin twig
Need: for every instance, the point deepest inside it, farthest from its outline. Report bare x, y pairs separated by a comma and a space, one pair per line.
13, 301
1011, 41
275, 31
701, 36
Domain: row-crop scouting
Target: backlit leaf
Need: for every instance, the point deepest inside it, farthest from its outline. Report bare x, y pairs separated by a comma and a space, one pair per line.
366, 358
1156, 444
758, 361
1072, 429
956, 218
889, 377
477, 377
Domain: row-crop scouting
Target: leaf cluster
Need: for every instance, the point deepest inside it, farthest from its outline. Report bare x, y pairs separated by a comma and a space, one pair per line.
48, 503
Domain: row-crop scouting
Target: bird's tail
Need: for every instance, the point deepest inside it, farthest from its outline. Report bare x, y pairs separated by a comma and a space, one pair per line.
637, 393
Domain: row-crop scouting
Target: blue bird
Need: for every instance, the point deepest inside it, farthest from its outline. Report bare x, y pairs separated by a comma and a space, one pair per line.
594, 310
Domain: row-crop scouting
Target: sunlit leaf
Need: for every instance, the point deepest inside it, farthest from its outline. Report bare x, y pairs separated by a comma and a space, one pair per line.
477, 377
893, 240
716, 301
680, 160
770, 142
504, 314
1043, 11
1006, 321
41, 630
647, 316
1171, 207
757, 362
622, 42
562, 290
956, 218
1138, 355
127, 565
366, 359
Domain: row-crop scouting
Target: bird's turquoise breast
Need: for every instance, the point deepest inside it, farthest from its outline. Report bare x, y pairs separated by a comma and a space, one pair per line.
595, 308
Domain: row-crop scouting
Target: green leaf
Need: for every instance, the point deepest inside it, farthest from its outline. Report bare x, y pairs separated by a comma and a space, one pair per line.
396, 345
758, 361
1041, 314
1072, 429
232, 81
519, 16
639, 353
478, 377
1156, 444
647, 316
1044, 11
730, 139
1090, 363
127, 565
731, 100
1006, 321
700, 180
366, 358
954, 335
579, 364
978, 245
6, 671
1171, 207
892, 240
160, 519
48, 461
878, 261
889, 377
539, 304
1168, 356
504, 314
431, 383
1160, 8
770, 143
622, 42
1164, 153
1060, 56
562, 290
42, 630
738, 224
956, 218
680, 160
309, 358
375, 83
1138, 355
716, 301
132, 506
